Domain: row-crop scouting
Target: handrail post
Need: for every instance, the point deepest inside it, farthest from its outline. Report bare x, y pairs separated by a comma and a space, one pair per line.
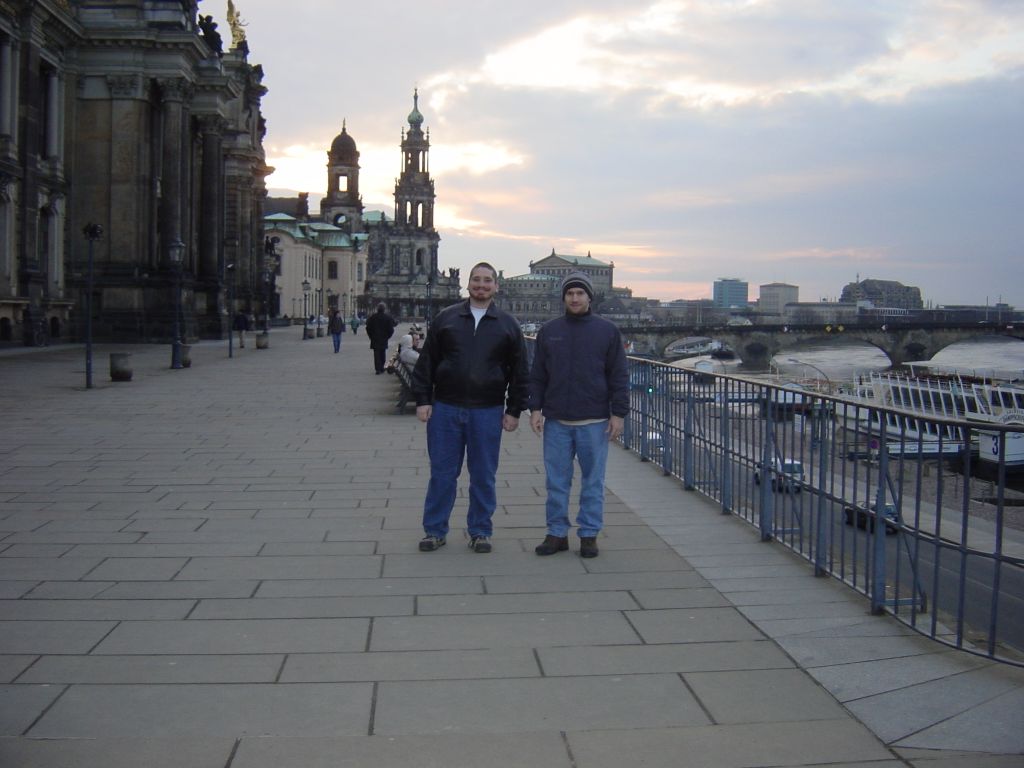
726, 431
877, 531
767, 516
823, 529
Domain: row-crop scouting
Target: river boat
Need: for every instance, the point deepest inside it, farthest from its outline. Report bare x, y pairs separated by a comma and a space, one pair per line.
923, 395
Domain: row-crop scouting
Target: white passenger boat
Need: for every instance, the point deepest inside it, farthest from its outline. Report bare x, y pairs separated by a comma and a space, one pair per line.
923, 398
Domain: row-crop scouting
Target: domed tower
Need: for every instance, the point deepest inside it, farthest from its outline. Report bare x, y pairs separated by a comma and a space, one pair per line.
342, 204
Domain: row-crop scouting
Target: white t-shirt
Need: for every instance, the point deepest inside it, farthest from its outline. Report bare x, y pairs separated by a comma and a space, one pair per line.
477, 314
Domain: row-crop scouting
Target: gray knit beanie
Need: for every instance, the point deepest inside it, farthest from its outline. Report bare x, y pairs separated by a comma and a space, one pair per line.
577, 280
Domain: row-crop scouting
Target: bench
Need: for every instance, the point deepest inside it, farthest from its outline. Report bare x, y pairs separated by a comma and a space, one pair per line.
404, 374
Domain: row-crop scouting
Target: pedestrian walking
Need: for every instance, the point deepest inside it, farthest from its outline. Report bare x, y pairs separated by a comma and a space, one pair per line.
241, 325
470, 383
579, 399
336, 326
380, 327
354, 322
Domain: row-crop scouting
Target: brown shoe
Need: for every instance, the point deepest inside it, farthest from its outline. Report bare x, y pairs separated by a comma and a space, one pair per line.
552, 544
588, 546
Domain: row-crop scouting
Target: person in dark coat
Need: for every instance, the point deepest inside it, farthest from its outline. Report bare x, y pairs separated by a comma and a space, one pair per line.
241, 326
336, 326
380, 327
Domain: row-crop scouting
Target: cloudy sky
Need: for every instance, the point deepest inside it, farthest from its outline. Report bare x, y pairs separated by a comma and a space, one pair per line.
802, 141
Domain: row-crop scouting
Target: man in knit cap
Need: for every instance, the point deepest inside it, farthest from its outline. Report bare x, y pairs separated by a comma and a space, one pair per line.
579, 400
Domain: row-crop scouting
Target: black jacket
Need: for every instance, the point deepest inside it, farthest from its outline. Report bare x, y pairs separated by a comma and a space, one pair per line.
579, 370
473, 368
379, 328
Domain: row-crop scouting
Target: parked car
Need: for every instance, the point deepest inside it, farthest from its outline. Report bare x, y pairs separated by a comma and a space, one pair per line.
865, 518
786, 474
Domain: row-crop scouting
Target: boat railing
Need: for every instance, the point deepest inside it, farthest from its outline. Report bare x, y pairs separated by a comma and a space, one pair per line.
947, 554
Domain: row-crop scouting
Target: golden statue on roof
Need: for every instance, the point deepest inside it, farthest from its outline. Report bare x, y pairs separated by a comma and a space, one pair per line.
236, 24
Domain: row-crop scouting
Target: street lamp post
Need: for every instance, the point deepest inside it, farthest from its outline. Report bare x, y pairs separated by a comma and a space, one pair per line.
176, 252
319, 310
429, 313
93, 232
229, 271
305, 308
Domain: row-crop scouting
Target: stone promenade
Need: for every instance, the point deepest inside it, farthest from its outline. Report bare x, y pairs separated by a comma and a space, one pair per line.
216, 567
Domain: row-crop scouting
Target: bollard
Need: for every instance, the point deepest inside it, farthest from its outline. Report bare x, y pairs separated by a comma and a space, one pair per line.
262, 340
120, 366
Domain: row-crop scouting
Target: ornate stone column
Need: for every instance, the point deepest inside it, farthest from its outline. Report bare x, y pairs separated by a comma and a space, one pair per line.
211, 216
6, 87
173, 93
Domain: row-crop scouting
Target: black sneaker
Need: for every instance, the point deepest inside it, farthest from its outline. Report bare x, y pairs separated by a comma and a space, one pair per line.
588, 546
481, 544
430, 543
552, 544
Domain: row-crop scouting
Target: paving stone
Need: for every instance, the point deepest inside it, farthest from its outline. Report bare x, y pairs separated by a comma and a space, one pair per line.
117, 753
96, 610
439, 585
174, 590
21, 637
826, 742
20, 705
421, 751
697, 597
499, 631
677, 657
138, 568
594, 581
692, 625
236, 636
185, 711
45, 568
320, 567
135, 669
583, 703
411, 665
761, 696
12, 665
552, 602
304, 607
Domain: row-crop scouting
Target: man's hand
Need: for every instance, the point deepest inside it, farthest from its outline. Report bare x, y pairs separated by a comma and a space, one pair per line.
509, 423
615, 426
423, 412
537, 422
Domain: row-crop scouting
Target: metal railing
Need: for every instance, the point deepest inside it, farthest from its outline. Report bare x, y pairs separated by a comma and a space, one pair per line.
816, 472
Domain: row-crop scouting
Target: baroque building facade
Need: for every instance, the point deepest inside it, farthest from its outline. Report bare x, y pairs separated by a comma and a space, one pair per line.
537, 296
132, 118
363, 258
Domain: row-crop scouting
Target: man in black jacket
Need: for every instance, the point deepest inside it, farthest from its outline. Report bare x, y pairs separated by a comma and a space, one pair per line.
579, 399
470, 382
379, 328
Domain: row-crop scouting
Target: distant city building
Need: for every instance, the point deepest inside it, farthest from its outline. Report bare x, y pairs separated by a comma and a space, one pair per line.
811, 312
134, 116
537, 295
351, 259
774, 297
730, 292
883, 293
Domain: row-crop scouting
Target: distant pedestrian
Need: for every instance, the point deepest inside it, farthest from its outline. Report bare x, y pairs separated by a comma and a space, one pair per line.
380, 327
470, 384
354, 322
241, 326
579, 399
336, 326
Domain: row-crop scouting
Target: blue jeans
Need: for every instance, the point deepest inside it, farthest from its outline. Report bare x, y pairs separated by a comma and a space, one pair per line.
452, 433
562, 444
336, 338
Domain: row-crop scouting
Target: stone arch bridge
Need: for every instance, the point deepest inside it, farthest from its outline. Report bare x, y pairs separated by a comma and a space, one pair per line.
755, 345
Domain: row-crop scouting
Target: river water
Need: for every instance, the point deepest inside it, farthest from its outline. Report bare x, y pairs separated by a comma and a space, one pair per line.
993, 356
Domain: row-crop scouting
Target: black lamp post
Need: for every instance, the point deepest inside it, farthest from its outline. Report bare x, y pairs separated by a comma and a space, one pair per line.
430, 306
319, 310
93, 232
305, 308
229, 270
176, 252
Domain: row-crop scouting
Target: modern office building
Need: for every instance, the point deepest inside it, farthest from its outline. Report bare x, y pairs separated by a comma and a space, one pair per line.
729, 293
774, 297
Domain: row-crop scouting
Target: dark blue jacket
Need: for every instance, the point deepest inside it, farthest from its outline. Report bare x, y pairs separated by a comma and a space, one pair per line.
579, 370
472, 366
